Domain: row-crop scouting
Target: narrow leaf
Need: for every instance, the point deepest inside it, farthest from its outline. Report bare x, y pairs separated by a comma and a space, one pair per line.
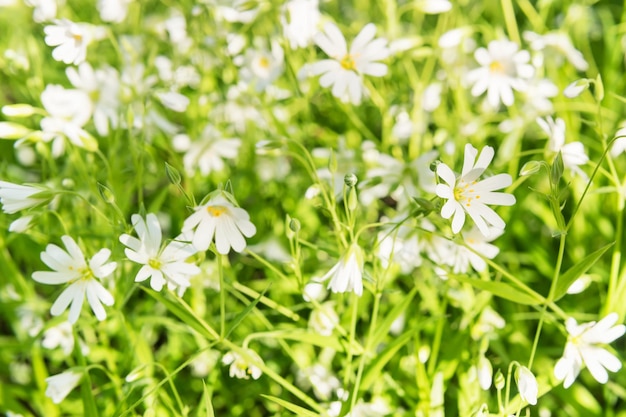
375, 368
577, 270
502, 290
383, 329
296, 409
239, 318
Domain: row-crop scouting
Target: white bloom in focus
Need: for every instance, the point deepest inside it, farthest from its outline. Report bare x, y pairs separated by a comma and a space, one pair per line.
503, 69
71, 40
344, 72
162, 265
241, 367
347, 274
219, 218
582, 349
300, 19
527, 385
467, 194
573, 153
60, 385
70, 266
16, 197
103, 88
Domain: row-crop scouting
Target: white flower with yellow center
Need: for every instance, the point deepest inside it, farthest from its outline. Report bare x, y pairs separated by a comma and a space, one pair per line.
466, 194
162, 265
344, 72
582, 349
503, 69
71, 40
70, 266
219, 219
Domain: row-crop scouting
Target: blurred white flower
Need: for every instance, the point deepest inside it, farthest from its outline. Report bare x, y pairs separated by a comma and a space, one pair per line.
219, 218
44, 11
243, 367
68, 111
401, 246
619, 145
21, 224
208, 152
433, 6
344, 72
113, 10
527, 385
560, 42
163, 265
504, 68
484, 371
582, 348
320, 379
575, 88
347, 274
71, 40
60, 385
16, 197
261, 67
300, 19
460, 258
70, 266
324, 319
173, 100
62, 336
573, 153
467, 194
103, 88
241, 11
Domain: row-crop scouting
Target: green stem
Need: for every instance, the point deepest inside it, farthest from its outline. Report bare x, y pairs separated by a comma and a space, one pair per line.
220, 271
509, 19
434, 355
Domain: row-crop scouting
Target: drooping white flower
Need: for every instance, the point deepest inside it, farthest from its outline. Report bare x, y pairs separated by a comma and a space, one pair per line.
527, 385
219, 219
60, 385
503, 68
21, 224
70, 266
347, 274
466, 194
344, 72
16, 197
163, 265
573, 153
300, 19
71, 40
103, 88
243, 367
619, 145
582, 349
484, 372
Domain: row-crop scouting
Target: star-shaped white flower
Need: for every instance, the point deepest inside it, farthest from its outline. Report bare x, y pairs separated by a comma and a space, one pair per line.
219, 219
467, 194
162, 265
344, 72
582, 349
70, 266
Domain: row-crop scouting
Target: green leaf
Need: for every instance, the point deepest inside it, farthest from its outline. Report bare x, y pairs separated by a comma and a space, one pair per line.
375, 368
502, 290
577, 270
382, 329
296, 409
239, 318
315, 339
172, 174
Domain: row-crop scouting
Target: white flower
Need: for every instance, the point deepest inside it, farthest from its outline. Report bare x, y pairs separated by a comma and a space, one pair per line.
320, 379
527, 385
467, 194
242, 367
582, 349
619, 145
173, 100
484, 371
401, 246
347, 274
69, 266
103, 88
503, 69
71, 40
575, 88
68, 111
433, 6
219, 218
60, 385
44, 9
324, 319
207, 153
573, 153
62, 336
162, 265
261, 67
113, 10
300, 19
560, 42
344, 72
16, 197
460, 257
21, 225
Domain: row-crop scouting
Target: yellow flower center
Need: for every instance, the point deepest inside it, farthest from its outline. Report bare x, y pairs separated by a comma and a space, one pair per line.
216, 211
154, 263
464, 193
264, 62
347, 62
497, 67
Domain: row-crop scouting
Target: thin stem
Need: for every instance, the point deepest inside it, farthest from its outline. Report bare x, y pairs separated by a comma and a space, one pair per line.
220, 271
509, 19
